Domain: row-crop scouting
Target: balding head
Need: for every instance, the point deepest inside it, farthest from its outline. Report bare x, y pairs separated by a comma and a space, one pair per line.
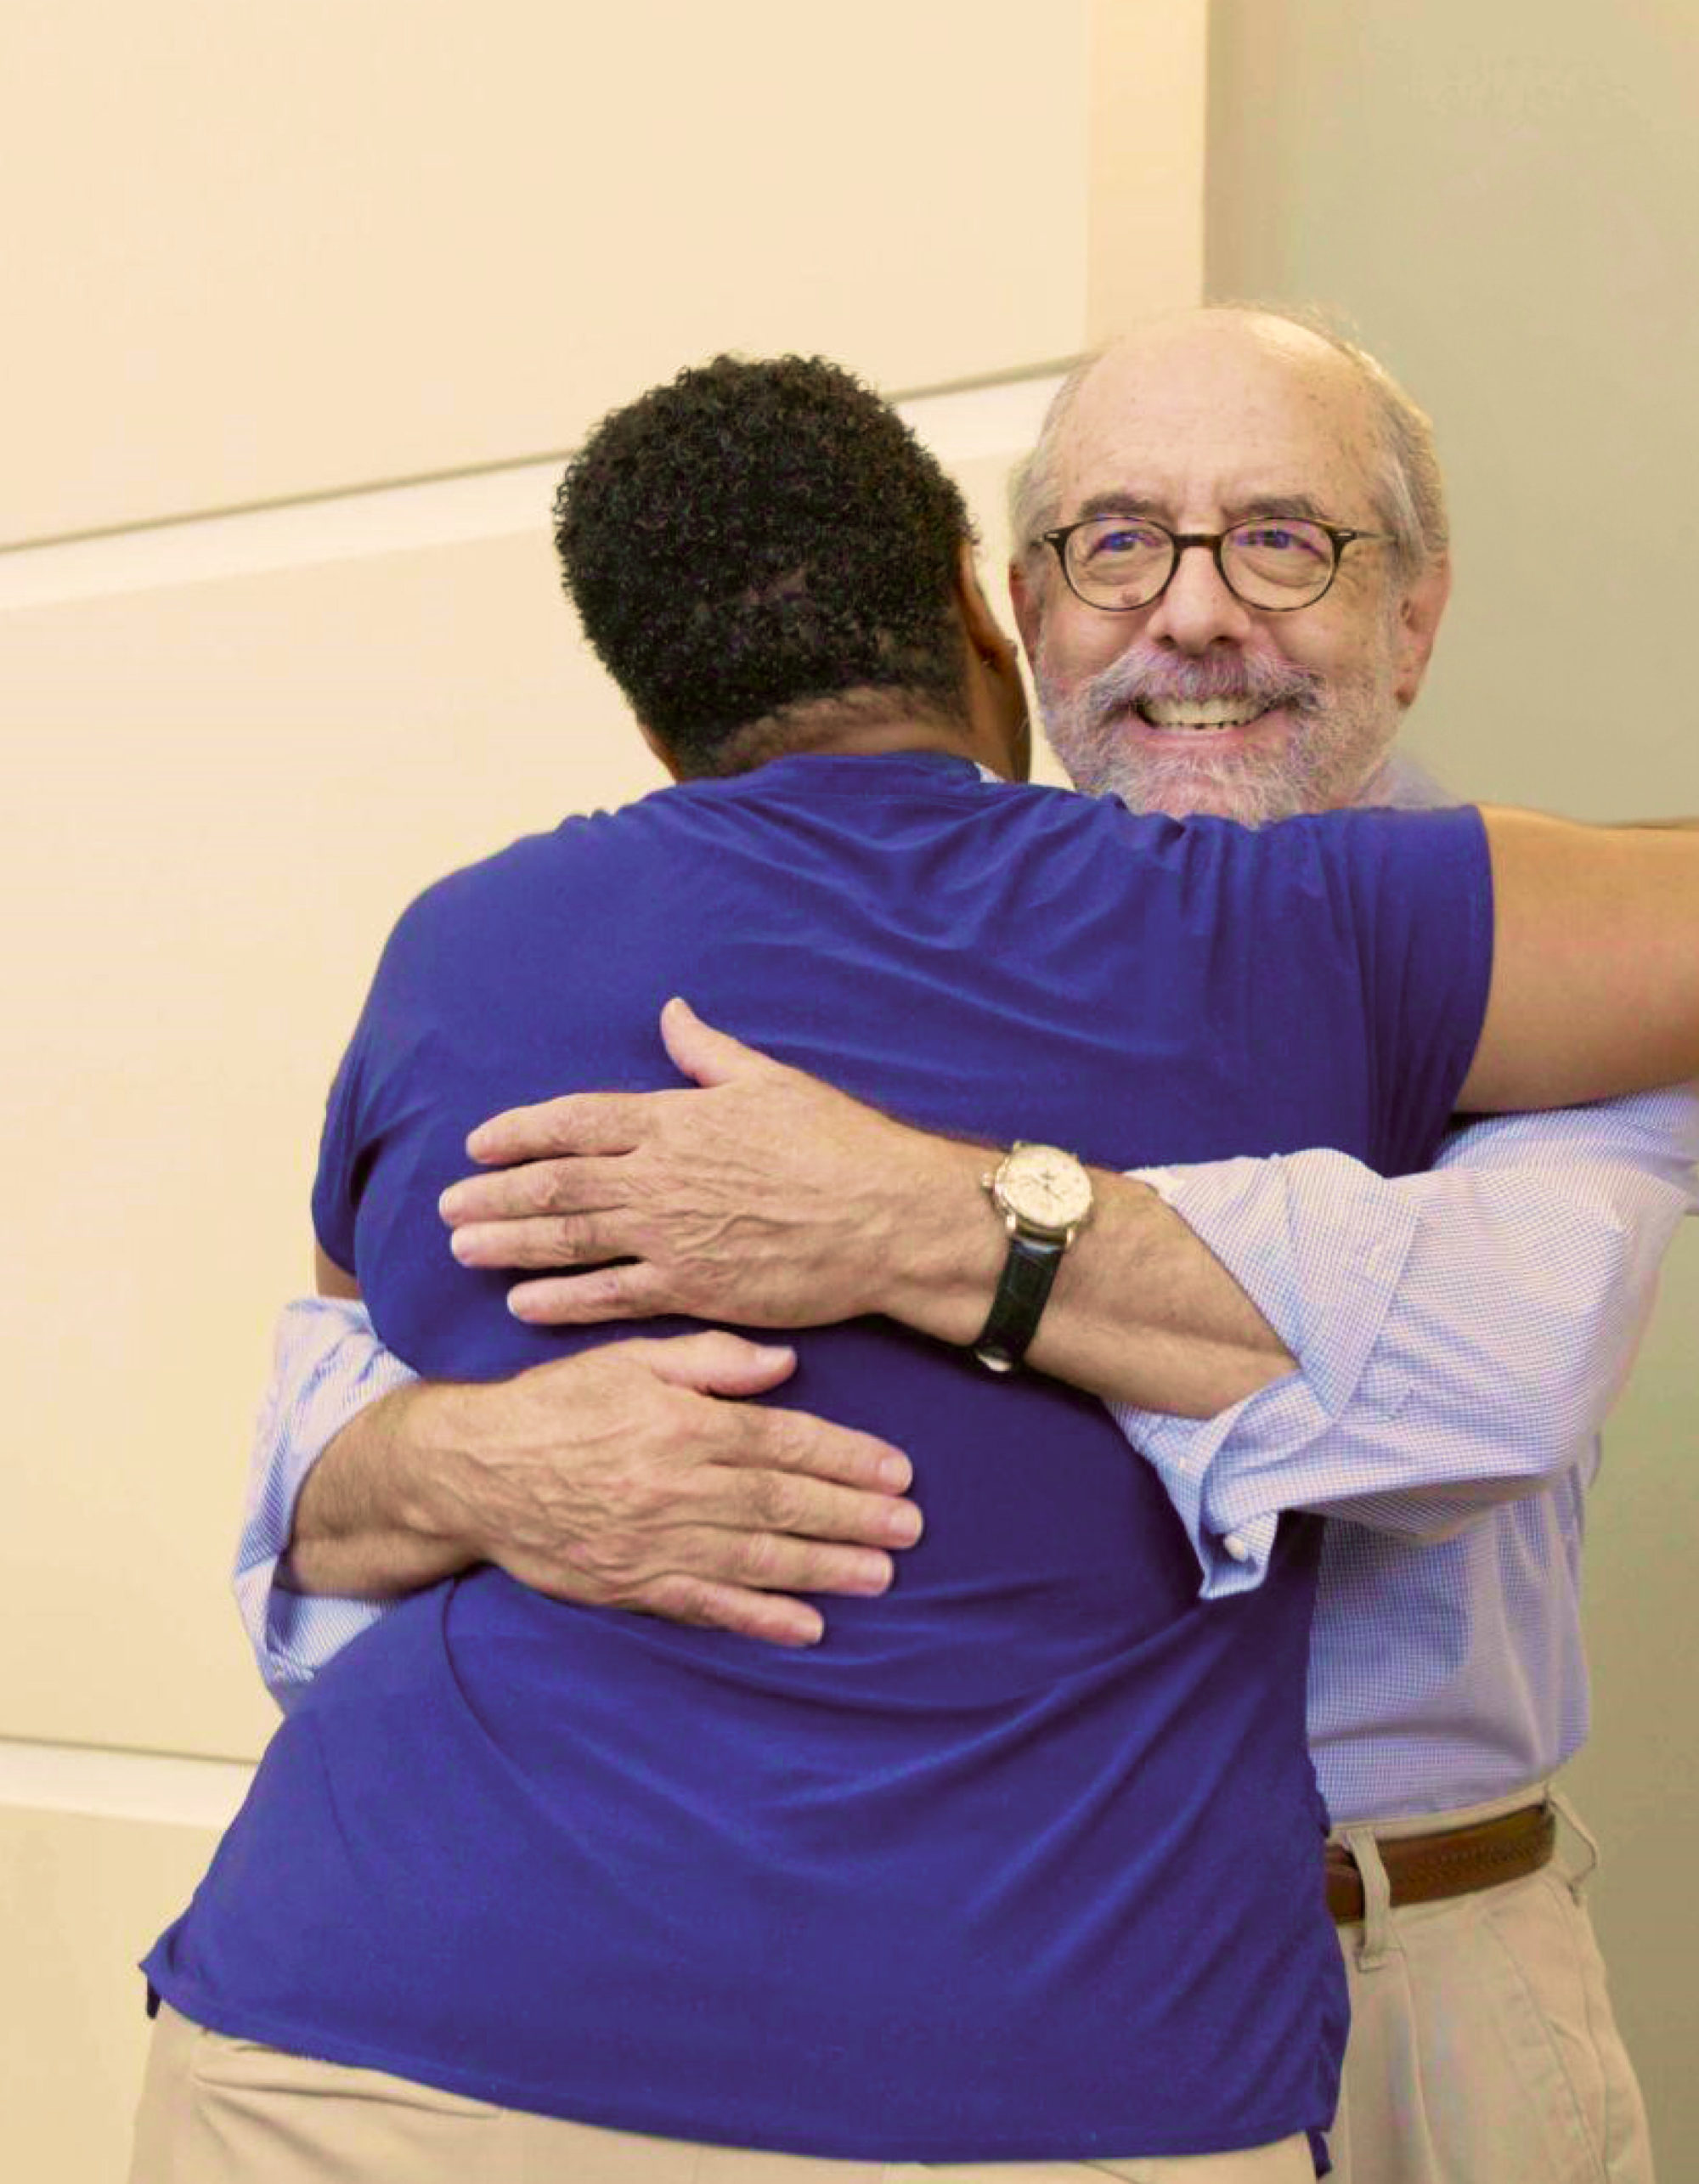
1404, 483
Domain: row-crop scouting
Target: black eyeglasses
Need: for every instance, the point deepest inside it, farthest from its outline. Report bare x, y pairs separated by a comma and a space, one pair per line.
1275, 563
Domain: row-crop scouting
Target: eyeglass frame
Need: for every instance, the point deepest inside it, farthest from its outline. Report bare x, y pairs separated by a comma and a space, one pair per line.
1338, 535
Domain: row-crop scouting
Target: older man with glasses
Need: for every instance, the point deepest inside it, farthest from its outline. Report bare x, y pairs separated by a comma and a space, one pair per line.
1231, 566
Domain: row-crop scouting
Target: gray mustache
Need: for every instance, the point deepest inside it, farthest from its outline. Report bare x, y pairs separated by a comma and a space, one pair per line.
1130, 681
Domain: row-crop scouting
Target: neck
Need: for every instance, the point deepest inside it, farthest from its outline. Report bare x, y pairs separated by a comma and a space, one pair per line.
897, 731
865, 724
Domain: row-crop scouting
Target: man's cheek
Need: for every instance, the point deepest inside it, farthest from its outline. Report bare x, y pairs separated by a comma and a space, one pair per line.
1076, 651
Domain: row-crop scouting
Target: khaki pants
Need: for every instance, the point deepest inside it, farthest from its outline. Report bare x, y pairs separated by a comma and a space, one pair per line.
1483, 2046
218, 2111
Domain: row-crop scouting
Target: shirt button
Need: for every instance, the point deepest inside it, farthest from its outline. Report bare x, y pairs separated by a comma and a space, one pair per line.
1235, 1547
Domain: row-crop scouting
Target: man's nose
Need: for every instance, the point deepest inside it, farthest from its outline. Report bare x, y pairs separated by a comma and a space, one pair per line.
1197, 610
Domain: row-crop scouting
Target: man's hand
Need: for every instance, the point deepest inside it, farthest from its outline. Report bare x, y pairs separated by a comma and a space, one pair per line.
766, 1197
621, 1478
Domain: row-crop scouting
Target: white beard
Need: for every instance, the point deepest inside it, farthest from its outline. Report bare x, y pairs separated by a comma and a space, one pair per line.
1337, 744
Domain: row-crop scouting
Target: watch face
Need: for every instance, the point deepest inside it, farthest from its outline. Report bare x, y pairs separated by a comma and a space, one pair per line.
1044, 1189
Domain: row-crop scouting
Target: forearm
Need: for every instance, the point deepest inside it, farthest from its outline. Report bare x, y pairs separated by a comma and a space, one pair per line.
1142, 1311
374, 1519
1594, 988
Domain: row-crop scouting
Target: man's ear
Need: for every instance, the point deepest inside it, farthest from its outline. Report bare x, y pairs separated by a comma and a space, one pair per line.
996, 694
1418, 620
985, 633
1024, 596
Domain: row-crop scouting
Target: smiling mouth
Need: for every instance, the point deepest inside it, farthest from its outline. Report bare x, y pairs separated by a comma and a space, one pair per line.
1173, 714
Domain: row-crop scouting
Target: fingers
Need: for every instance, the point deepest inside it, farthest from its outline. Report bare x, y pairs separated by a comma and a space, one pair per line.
585, 1184
794, 1441
771, 1563
611, 1122
807, 1518
700, 1600
543, 1240
717, 1363
583, 1122
793, 1445
679, 1503
632, 1292
747, 1583
726, 1580
705, 1056
716, 1575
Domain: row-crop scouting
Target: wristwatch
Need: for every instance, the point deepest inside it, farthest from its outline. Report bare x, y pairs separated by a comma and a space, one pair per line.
1044, 1198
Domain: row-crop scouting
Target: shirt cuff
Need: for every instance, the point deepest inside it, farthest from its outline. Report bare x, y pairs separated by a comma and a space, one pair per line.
328, 1365
1319, 1245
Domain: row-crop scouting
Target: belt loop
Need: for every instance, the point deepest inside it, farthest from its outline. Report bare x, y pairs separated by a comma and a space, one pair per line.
1377, 1897
1576, 1879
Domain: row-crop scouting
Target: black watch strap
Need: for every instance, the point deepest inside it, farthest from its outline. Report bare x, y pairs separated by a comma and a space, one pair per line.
1022, 1294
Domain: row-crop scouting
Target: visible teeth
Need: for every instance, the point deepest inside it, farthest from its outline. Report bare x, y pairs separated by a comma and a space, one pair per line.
1212, 712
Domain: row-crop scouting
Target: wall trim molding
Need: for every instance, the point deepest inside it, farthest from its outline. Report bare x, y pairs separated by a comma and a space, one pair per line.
963, 424
114, 1784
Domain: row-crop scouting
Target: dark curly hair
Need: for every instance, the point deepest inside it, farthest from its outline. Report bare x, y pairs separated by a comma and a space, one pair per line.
753, 539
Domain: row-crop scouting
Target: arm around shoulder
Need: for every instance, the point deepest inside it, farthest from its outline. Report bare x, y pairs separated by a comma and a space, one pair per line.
1596, 968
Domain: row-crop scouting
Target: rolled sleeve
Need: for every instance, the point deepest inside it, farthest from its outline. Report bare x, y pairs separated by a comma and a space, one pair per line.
1460, 1335
327, 1365
1300, 1235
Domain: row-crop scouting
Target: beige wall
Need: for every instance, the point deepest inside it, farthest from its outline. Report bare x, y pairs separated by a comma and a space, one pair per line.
81, 1896
278, 250
298, 301
272, 258
1504, 199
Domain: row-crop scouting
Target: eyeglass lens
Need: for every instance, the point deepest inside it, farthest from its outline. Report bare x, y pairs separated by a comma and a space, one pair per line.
1118, 562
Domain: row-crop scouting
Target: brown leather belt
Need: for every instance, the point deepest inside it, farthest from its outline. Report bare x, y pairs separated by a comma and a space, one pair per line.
1456, 1861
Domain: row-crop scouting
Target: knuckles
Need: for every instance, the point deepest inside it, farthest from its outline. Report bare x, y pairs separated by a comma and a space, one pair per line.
561, 1241
550, 1188
763, 1560
649, 1497
779, 1502
607, 1564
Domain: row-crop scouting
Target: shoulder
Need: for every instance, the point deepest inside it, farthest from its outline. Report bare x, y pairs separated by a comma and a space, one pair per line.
1375, 852
509, 880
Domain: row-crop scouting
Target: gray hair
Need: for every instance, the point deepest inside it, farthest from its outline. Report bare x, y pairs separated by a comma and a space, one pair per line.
1408, 489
